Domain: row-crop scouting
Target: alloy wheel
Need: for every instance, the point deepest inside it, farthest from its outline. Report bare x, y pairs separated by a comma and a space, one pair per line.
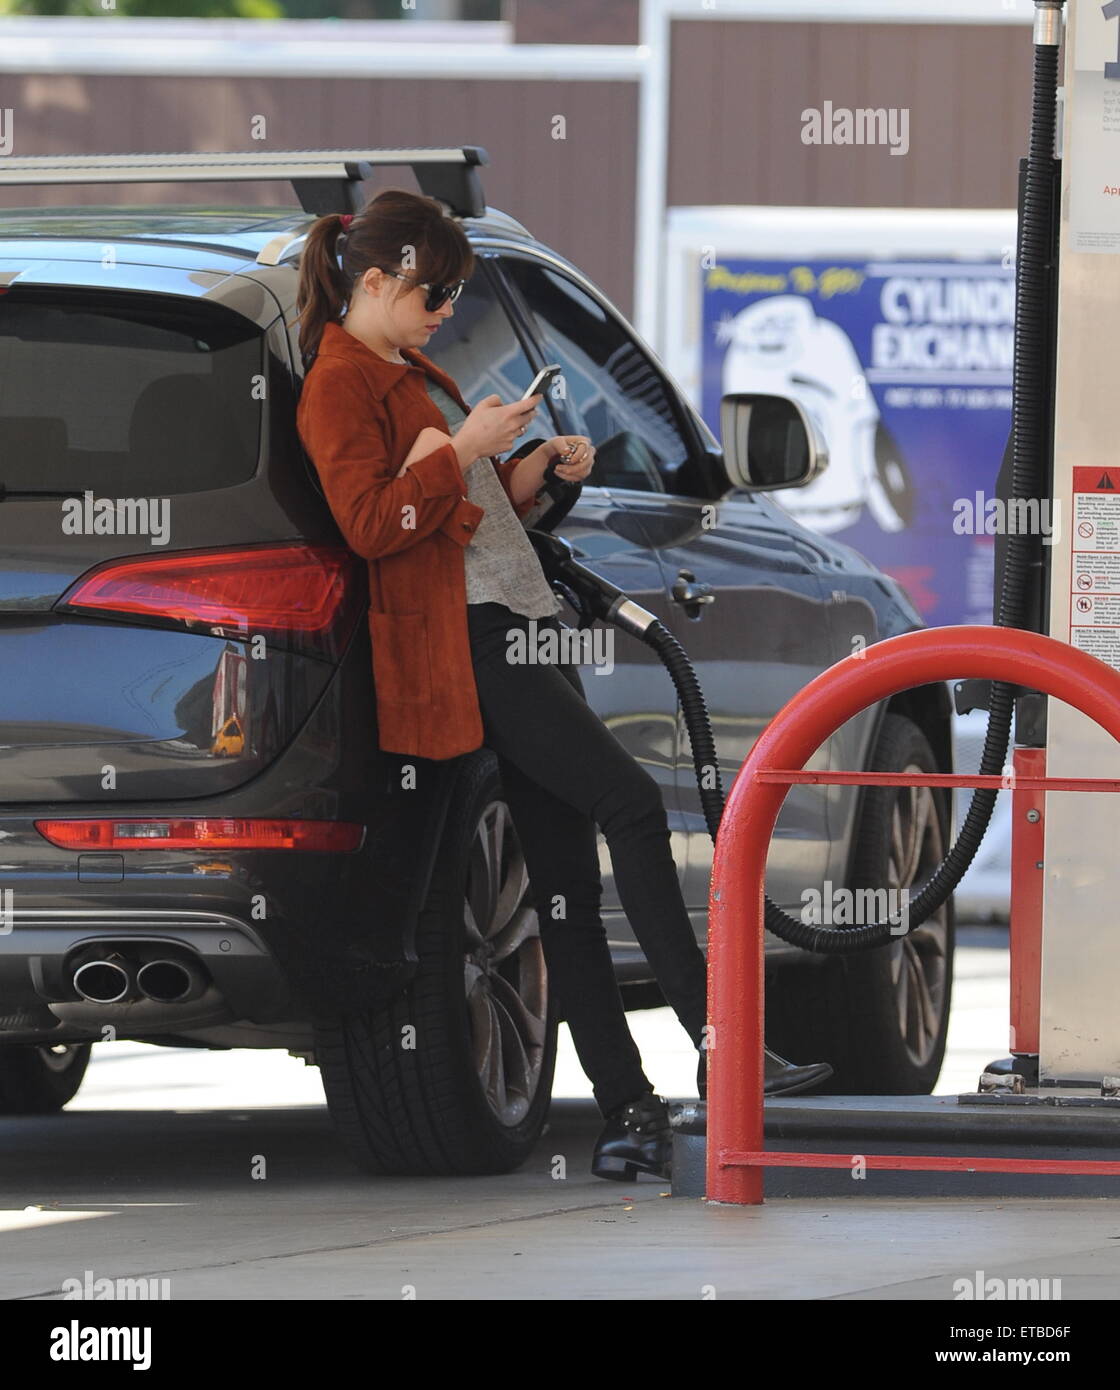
919, 959
504, 974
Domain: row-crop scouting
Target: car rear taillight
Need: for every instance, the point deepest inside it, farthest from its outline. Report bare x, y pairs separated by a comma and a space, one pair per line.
202, 833
294, 591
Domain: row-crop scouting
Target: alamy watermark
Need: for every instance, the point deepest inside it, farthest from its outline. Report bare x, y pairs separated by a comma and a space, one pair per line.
980, 515
102, 1287
981, 1286
78, 1343
121, 516
856, 907
549, 646
865, 125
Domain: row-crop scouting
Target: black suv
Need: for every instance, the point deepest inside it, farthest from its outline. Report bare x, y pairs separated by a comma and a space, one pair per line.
202, 844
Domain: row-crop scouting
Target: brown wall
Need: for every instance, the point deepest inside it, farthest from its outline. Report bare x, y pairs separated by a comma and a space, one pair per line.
738, 89
574, 21
577, 194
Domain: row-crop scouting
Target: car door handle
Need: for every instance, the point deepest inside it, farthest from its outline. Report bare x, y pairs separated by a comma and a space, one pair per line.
690, 594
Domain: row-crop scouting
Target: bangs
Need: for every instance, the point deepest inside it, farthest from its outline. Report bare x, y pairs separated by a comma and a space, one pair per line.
445, 258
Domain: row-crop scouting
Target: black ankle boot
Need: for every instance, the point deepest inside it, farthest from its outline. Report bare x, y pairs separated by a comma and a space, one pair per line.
781, 1078
637, 1138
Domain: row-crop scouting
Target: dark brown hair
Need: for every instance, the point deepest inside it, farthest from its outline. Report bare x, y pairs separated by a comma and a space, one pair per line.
392, 224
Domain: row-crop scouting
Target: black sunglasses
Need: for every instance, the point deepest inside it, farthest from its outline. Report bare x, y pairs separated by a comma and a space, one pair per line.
437, 294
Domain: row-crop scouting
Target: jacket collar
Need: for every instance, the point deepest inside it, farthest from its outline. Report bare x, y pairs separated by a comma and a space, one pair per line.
379, 373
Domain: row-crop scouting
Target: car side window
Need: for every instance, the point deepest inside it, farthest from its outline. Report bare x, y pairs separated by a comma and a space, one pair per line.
619, 400
479, 349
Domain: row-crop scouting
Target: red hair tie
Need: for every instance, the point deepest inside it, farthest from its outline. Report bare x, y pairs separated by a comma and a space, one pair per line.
346, 219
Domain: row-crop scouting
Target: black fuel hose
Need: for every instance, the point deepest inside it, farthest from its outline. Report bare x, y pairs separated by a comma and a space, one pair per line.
594, 597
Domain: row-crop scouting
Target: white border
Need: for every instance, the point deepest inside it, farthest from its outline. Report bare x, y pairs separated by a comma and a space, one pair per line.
302, 48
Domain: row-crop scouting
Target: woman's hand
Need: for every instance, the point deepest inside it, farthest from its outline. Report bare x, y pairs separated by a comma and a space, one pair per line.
491, 428
574, 454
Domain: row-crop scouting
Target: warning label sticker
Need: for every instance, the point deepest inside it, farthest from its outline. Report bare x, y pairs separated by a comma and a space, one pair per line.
1094, 609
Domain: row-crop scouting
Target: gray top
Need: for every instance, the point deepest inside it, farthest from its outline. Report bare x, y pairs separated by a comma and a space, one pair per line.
501, 564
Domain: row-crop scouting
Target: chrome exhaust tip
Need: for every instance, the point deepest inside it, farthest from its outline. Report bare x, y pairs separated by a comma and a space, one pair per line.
170, 981
103, 980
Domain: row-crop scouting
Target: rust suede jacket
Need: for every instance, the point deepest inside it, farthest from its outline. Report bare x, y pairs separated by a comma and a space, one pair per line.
358, 417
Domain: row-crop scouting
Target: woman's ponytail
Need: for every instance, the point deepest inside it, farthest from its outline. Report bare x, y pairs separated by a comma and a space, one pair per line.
324, 288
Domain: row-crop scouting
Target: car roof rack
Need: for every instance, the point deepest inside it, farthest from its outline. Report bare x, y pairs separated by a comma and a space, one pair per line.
324, 181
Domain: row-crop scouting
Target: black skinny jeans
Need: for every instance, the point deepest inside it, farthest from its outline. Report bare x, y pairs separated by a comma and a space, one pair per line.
563, 773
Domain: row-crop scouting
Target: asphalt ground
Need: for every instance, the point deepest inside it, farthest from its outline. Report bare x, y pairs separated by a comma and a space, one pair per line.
220, 1174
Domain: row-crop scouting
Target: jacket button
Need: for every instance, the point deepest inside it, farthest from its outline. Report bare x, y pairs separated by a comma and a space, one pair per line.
468, 524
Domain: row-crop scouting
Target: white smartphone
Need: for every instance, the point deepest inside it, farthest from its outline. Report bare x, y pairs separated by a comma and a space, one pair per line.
543, 380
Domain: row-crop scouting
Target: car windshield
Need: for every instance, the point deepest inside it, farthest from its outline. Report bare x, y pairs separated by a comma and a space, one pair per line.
125, 395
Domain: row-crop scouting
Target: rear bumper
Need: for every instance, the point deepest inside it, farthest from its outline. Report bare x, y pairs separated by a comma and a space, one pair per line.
280, 934
241, 980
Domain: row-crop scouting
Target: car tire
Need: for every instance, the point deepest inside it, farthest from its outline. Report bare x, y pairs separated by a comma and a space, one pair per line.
38, 1080
455, 1076
880, 1017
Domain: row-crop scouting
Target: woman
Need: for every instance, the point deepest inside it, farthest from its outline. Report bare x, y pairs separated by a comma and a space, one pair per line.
411, 475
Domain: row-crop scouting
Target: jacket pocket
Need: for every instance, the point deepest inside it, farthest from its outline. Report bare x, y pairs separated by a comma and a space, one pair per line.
402, 669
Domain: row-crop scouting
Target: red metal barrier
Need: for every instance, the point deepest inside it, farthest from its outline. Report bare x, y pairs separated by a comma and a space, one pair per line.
736, 1153
1028, 810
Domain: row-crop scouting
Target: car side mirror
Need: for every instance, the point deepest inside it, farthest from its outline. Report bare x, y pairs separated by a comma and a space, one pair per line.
770, 442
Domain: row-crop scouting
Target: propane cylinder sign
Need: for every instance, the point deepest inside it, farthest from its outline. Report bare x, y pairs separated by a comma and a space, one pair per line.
906, 364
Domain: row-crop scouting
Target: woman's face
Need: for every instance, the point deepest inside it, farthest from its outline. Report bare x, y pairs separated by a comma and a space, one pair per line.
395, 308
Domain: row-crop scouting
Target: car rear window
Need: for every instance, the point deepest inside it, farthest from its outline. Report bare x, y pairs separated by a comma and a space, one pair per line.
126, 396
